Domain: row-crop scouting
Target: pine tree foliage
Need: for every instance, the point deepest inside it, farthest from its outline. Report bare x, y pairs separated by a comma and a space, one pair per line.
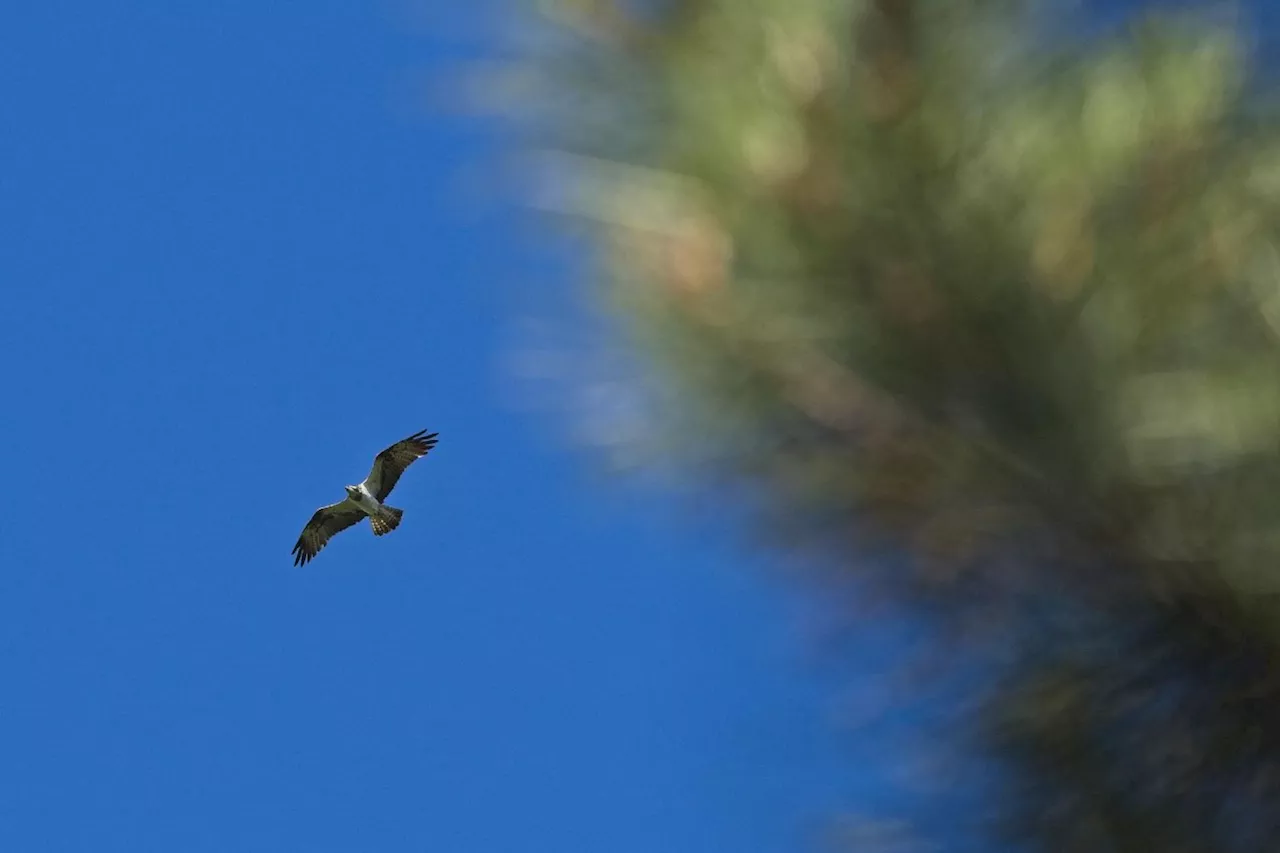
959, 277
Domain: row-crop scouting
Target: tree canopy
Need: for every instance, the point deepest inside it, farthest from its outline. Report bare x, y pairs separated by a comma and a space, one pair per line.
967, 280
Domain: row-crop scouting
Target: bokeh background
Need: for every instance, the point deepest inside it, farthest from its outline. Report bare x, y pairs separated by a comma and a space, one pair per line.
858, 426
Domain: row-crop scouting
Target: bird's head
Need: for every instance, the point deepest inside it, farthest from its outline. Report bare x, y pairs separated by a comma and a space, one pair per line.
352, 491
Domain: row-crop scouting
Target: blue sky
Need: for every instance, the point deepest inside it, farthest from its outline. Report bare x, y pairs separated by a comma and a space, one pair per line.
235, 266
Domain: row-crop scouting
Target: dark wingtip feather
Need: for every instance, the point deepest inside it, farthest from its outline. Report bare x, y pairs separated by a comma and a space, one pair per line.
422, 442
300, 553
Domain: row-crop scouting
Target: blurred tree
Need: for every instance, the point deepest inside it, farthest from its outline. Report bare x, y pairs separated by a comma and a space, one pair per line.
950, 278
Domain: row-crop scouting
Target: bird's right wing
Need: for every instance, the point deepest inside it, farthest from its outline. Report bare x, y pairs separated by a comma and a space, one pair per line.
327, 521
390, 463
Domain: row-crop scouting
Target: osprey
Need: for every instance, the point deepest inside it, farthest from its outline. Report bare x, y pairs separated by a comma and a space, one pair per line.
365, 500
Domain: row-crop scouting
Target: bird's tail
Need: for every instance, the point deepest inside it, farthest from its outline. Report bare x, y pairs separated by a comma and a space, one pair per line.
387, 520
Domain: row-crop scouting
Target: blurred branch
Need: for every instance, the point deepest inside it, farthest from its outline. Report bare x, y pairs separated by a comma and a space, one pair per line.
921, 272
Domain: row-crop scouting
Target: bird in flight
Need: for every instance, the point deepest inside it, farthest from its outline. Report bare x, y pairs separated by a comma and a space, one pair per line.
365, 500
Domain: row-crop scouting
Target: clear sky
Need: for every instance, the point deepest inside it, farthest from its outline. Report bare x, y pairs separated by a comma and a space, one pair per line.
235, 265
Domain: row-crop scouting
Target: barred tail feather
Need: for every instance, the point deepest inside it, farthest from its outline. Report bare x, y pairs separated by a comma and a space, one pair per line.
386, 521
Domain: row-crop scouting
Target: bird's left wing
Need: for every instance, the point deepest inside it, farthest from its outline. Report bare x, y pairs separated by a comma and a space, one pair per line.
327, 521
390, 463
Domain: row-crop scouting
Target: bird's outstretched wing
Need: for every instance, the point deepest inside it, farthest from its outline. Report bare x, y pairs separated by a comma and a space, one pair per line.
390, 463
327, 521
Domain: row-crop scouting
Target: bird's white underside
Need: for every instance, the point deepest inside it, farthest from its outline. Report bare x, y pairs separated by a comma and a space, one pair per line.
373, 482
365, 500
